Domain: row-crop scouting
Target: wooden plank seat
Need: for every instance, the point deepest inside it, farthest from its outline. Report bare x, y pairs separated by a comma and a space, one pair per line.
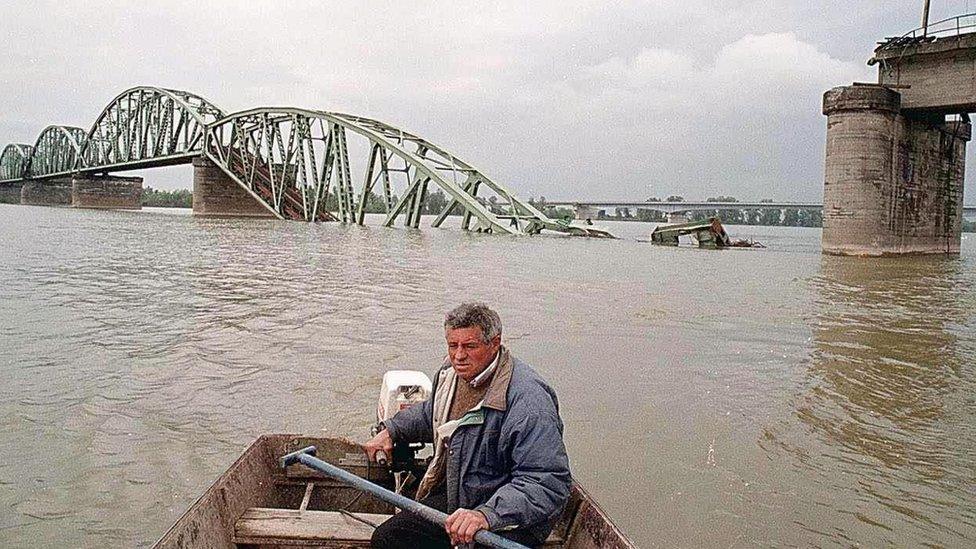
264, 527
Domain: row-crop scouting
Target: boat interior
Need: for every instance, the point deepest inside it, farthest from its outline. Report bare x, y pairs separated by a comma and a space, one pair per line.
257, 504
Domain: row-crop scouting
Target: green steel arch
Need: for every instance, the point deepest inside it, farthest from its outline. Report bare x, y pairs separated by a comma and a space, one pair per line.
145, 127
56, 151
297, 163
13, 161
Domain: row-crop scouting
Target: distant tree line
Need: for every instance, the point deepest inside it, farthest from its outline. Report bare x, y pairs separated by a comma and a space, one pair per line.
552, 212
789, 217
155, 198
436, 201
785, 217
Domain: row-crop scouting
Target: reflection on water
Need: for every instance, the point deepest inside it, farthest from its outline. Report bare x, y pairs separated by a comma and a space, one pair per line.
711, 398
891, 391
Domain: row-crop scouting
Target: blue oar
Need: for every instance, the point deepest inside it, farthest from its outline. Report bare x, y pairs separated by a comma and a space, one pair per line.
305, 456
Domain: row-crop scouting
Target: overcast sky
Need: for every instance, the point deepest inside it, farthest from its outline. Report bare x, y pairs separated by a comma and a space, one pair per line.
570, 100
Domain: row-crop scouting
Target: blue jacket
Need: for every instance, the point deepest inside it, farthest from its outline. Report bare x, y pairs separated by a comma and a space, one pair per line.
506, 460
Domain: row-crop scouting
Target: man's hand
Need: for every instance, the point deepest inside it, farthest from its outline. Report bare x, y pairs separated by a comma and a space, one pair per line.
381, 442
463, 524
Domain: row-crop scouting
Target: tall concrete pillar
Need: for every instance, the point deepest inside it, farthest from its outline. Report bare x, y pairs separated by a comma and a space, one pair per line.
49, 192
10, 193
893, 182
106, 192
217, 195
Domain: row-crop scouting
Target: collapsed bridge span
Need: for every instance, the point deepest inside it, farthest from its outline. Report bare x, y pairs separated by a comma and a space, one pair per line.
297, 164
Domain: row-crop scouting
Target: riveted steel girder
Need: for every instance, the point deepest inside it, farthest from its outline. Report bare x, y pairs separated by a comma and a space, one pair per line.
147, 126
298, 163
142, 127
56, 151
295, 160
13, 162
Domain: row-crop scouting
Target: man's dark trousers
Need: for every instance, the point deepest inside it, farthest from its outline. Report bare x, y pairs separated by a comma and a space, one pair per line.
407, 530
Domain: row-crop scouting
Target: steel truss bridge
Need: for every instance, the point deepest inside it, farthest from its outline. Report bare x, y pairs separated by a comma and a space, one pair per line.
689, 206
298, 163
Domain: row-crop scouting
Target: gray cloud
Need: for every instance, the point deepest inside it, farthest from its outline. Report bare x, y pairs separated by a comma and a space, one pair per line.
569, 100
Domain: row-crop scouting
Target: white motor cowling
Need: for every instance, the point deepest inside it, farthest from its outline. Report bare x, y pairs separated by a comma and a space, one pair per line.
401, 389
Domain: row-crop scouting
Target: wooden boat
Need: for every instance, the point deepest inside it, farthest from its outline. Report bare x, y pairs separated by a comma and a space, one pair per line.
257, 504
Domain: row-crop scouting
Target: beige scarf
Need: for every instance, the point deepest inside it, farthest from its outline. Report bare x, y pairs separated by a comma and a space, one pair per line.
444, 429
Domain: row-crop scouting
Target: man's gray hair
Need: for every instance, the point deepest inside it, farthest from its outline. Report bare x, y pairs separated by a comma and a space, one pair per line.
467, 315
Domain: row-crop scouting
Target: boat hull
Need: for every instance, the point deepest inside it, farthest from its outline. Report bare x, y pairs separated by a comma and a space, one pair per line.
255, 503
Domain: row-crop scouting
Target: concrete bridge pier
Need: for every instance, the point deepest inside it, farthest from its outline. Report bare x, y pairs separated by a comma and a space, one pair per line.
893, 182
106, 192
10, 193
50, 192
217, 195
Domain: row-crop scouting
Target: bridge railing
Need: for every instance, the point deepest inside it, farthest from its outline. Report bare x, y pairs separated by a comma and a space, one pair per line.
952, 26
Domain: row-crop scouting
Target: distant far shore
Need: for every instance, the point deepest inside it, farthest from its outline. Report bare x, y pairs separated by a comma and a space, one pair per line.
773, 217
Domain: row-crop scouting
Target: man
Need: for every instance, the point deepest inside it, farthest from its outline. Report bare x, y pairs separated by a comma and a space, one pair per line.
499, 461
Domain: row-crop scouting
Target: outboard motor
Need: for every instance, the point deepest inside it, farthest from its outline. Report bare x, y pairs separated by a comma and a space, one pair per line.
402, 389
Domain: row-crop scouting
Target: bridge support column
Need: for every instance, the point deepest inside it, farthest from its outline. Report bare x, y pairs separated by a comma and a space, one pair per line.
106, 192
10, 193
586, 212
217, 195
893, 182
50, 192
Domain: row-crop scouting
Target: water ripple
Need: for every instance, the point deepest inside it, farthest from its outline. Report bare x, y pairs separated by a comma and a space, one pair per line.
769, 398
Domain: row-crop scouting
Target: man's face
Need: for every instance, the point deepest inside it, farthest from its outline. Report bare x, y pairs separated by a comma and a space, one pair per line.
470, 355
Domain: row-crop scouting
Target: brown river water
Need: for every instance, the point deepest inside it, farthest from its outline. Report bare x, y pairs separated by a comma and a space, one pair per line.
731, 398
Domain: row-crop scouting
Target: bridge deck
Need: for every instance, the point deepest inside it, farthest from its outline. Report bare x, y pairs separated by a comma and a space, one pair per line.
687, 206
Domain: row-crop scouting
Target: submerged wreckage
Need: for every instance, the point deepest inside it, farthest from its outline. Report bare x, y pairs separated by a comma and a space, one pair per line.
708, 234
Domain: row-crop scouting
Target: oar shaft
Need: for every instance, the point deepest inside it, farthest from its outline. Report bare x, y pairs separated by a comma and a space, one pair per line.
306, 457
